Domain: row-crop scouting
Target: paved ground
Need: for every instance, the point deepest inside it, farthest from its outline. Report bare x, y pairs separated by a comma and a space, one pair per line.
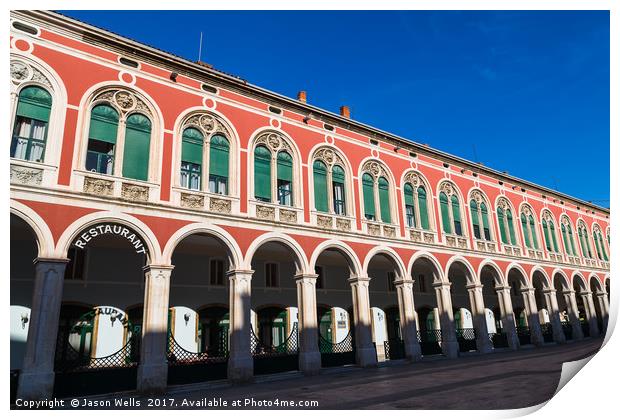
496, 381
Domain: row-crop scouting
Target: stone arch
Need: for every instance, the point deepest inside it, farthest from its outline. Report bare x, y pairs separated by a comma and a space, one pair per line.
562, 277
276, 140
301, 264
427, 256
345, 250
233, 251
490, 264
224, 126
417, 179
538, 269
595, 284
580, 280
85, 222
449, 187
390, 254
42, 233
470, 272
524, 276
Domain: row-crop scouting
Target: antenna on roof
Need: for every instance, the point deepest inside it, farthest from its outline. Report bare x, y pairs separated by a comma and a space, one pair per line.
200, 48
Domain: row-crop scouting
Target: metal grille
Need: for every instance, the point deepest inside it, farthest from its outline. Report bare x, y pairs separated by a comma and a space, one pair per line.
394, 349
524, 334
177, 355
568, 330
547, 332
67, 359
430, 342
344, 346
466, 337
499, 339
288, 347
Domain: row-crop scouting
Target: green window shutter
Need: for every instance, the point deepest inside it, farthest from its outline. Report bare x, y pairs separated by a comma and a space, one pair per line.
565, 240
582, 243
534, 237
262, 173
445, 213
192, 144
137, 147
285, 167
502, 225
408, 191
219, 149
423, 208
103, 124
319, 171
600, 237
553, 237
526, 233
587, 240
34, 102
598, 246
546, 233
572, 241
511, 228
369, 195
384, 200
473, 207
456, 214
485, 221
338, 174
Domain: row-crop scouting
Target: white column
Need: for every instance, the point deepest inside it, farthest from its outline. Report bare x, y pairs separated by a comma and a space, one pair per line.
366, 353
573, 314
603, 302
508, 316
406, 308
531, 310
588, 304
153, 367
36, 380
240, 362
476, 302
309, 356
449, 345
554, 314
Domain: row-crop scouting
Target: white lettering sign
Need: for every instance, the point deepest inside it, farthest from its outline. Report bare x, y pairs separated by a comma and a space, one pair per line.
110, 229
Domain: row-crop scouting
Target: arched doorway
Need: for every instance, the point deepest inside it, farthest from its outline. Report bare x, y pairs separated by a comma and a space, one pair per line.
545, 311
585, 306
526, 314
499, 313
601, 306
566, 307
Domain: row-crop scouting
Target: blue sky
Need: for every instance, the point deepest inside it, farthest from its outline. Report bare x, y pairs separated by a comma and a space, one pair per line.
523, 92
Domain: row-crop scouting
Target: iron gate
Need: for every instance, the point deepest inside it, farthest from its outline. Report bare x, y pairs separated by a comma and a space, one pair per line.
499, 339
394, 349
547, 332
466, 337
524, 334
337, 354
283, 357
77, 373
430, 342
186, 367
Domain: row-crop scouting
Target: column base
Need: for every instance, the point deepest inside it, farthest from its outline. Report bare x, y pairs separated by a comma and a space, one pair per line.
413, 351
152, 378
484, 346
450, 349
513, 341
35, 386
577, 332
240, 369
366, 356
310, 362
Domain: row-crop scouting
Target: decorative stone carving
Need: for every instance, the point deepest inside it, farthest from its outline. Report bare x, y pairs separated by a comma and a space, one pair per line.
192, 201
414, 179
220, 205
22, 72
329, 156
447, 188
504, 204
264, 212
451, 241
415, 235
26, 176
274, 141
429, 238
124, 100
481, 246
376, 169
374, 229
288, 216
134, 192
343, 224
98, 186
208, 123
389, 231
527, 210
462, 242
324, 222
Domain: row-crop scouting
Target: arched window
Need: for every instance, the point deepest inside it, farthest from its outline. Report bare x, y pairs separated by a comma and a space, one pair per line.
102, 136
319, 172
584, 240
31, 122
262, 174
416, 205
549, 232
600, 243
384, 200
368, 189
191, 158
450, 209
137, 147
479, 217
329, 181
528, 227
506, 223
285, 179
567, 237
219, 150
339, 192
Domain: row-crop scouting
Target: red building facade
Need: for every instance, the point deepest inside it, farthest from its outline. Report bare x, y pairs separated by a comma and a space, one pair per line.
137, 150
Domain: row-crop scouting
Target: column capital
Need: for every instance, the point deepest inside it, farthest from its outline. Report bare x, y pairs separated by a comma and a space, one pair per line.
601, 294
231, 273
359, 279
527, 290
161, 267
549, 290
305, 278
568, 292
404, 281
503, 288
586, 294
473, 286
51, 260
441, 283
